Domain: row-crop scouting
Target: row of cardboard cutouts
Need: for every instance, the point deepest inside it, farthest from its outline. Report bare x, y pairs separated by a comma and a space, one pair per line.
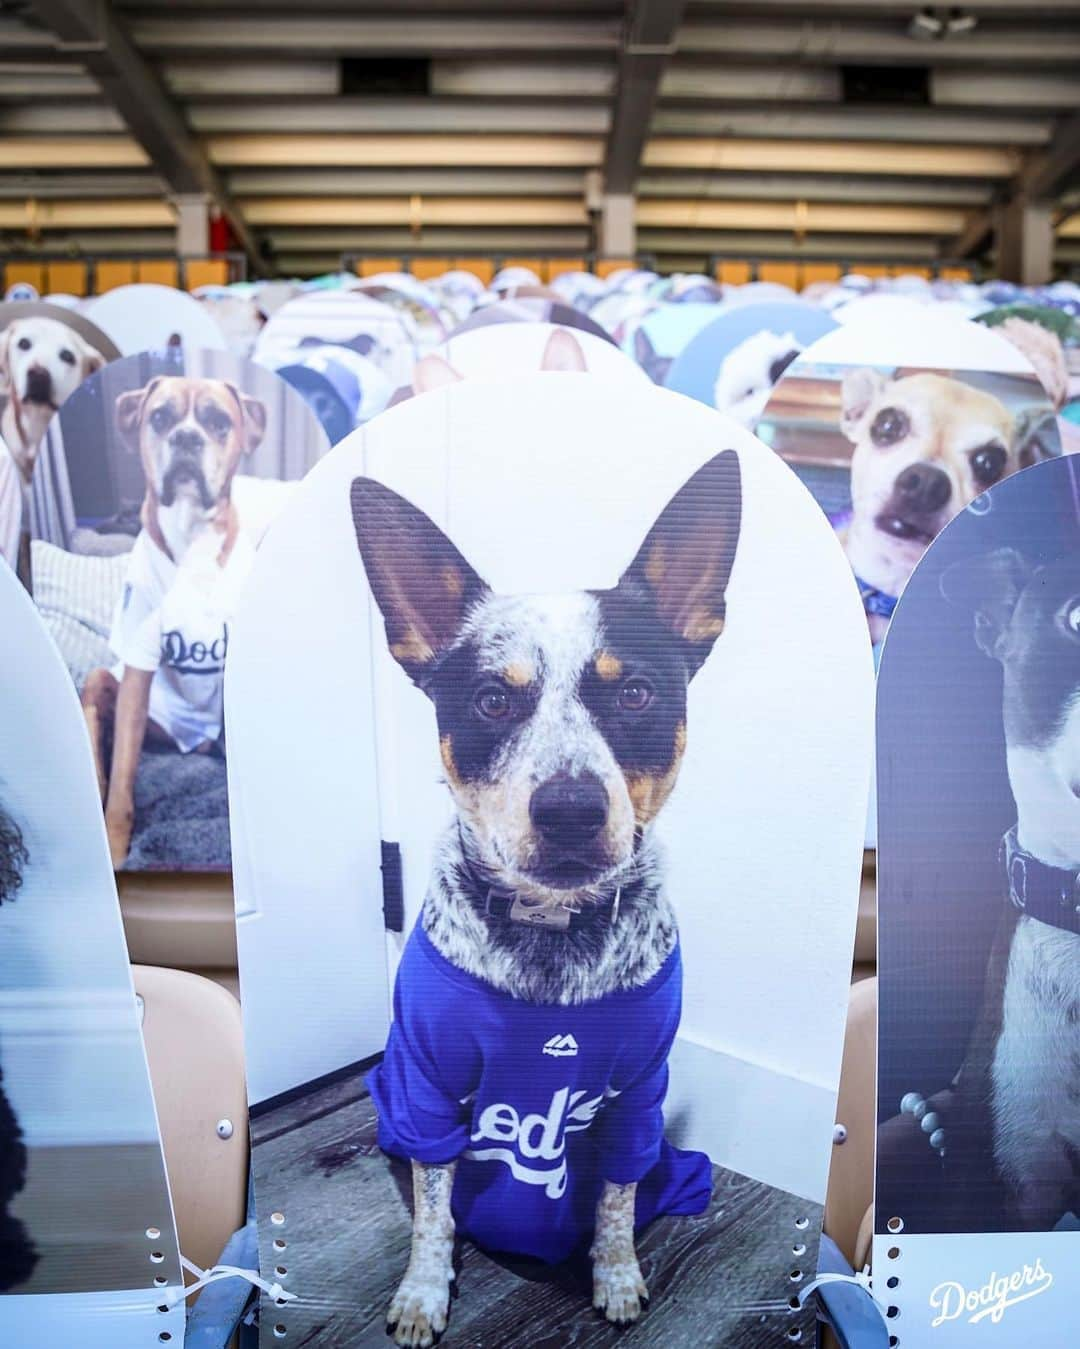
759, 683
892, 444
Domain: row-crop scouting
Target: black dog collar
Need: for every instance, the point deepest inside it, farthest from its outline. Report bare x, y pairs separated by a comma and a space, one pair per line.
524, 909
499, 902
1050, 894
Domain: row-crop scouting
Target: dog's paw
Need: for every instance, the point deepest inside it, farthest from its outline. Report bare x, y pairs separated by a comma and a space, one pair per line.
619, 1290
419, 1311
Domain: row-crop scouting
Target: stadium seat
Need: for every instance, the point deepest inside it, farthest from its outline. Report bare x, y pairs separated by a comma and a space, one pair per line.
195, 1048
851, 1176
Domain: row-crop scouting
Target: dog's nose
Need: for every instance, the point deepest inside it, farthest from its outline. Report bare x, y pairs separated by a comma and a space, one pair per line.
38, 380
925, 488
184, 440
569, 810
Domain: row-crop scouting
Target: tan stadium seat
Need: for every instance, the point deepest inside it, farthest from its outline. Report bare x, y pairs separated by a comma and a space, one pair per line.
851, 1175
182, 920
866, 923
195, 1048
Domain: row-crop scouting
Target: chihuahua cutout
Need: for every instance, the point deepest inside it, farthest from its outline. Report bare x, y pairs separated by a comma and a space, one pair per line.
924, 447
562, 722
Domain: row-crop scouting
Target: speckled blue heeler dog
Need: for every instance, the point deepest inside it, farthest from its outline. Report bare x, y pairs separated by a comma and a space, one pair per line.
17, 1255
539, 993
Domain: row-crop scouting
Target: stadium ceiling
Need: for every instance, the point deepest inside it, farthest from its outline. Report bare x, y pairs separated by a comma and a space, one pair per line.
779, 128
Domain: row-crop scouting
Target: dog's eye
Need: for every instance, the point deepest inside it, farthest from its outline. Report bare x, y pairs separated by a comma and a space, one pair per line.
68, 357
889, 426
24, 344
988, 464
160, 419
493, 703
635, 695
217, 423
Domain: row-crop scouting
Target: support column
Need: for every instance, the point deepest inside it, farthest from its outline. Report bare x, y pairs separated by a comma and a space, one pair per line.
192, 225
1024, 232
617, 227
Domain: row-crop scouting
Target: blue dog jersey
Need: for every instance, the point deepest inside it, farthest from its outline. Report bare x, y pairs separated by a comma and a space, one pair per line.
541, 1103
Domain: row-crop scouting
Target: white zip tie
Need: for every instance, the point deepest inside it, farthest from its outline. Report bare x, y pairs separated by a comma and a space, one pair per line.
862, 1279
219, 1272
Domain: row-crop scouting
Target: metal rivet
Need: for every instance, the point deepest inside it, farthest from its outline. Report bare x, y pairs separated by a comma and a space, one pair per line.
839, 1134
224, 1128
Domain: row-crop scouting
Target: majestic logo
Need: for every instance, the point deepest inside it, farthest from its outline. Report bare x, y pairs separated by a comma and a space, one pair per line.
534, 1146
993, 1299
561, 1046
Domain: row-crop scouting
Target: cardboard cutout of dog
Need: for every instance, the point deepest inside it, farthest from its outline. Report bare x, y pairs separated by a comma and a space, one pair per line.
492, 736
185, 572
156, 483
896, 426
978, 1179
734, 361
924, 447
42, 361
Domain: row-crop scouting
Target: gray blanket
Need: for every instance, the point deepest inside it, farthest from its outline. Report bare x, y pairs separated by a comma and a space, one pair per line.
181, 814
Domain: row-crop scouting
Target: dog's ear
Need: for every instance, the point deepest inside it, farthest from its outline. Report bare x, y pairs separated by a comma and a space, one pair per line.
1036, 436
253, 411
989, 587
788, 350
433, 372
89, 357
421, 583
860, 386
563, 352
129, 409
685, 563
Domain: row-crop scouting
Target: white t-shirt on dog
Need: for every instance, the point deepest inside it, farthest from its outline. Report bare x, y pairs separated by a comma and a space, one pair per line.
175, 620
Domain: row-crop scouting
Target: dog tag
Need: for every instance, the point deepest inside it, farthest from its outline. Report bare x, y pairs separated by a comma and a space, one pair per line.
537, 913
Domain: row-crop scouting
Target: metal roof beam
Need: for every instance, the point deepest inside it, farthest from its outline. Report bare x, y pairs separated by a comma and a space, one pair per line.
1043, 178
135, 91
648, 41
69, 186
1048, 173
